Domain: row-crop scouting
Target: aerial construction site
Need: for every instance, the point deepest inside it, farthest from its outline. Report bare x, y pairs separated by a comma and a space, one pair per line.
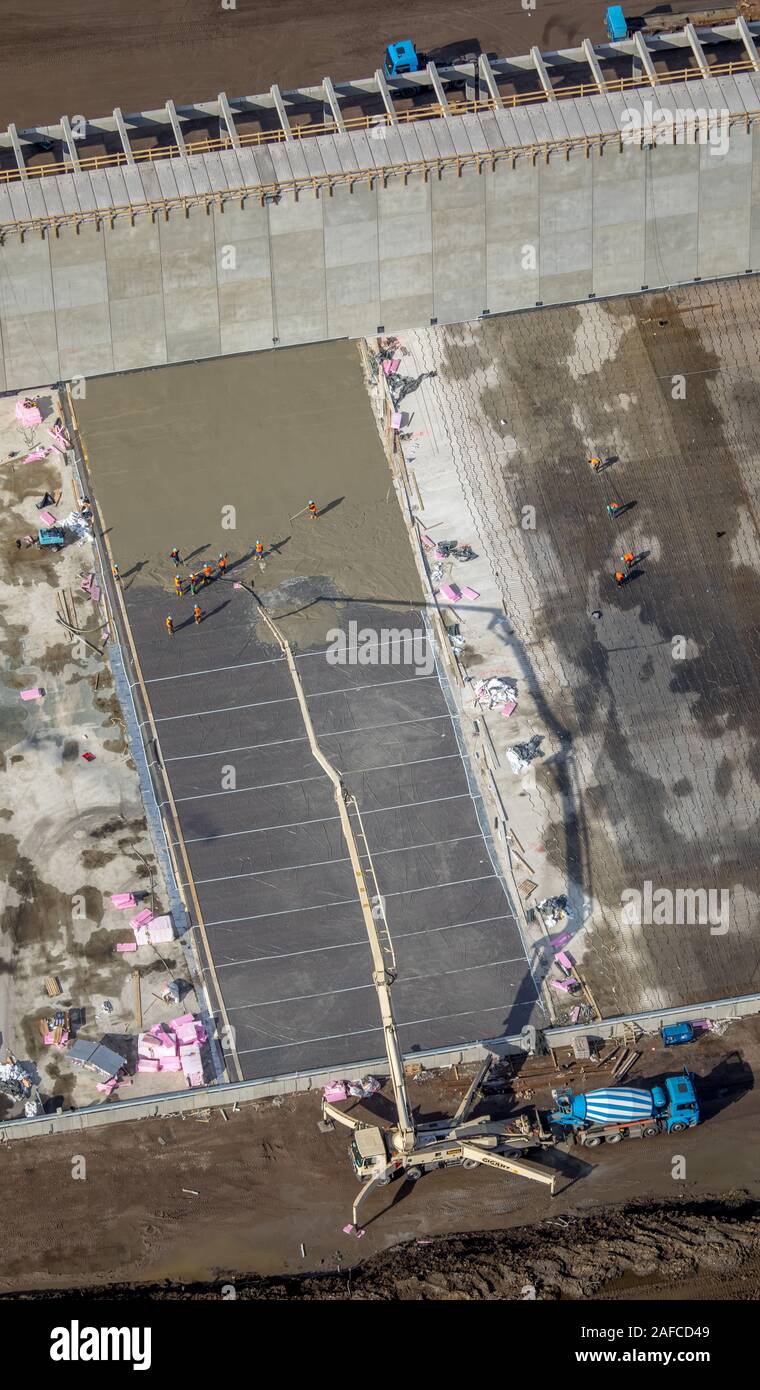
380, 610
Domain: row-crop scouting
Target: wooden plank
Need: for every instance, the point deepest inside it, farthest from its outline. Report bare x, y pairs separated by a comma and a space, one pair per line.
138, 999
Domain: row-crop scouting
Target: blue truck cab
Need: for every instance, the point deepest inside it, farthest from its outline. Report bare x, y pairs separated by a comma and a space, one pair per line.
401, 59
681, 1106
617, 25
674, 1033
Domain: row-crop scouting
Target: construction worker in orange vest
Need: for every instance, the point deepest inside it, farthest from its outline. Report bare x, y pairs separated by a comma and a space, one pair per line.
115, 571
197, 614
312, 510
222, 562
178, 585
208, 571
629, 559
170, 625
259, 549
619, 578
596, 463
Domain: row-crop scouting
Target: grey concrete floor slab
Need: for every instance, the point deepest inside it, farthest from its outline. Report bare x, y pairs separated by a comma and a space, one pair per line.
257, 815
649, 714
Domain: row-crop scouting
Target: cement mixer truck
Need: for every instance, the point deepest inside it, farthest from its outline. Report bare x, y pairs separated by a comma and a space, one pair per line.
626, 1112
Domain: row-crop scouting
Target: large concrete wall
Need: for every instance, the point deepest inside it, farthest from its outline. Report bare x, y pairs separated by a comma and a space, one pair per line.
199, 283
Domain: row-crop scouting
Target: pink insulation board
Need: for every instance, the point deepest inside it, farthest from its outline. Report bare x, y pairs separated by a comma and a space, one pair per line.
451, 592
28, 413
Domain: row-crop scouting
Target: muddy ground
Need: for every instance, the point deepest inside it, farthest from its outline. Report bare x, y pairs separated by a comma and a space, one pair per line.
264, 1181
686, 1251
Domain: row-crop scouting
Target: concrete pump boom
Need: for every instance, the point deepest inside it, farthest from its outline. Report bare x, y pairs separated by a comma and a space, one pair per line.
383, 961
380, 1154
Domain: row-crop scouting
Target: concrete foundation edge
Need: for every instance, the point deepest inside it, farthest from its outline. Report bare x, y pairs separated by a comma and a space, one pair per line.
240, 1092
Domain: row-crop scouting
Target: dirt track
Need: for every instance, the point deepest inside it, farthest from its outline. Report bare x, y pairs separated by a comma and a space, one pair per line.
86, 57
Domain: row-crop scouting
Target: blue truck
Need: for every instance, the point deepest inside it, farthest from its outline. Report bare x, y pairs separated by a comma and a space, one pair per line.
402, 58
626, 1112
619, 26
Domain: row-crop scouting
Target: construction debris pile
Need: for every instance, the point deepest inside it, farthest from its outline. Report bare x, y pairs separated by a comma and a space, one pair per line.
402, 386
79, 526
555, 911
174, 1046
361, 1090
55, 1029
17, 1084
521, 755
495, 693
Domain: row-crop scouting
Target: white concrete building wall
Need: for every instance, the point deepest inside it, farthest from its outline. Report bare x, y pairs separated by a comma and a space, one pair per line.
398, 253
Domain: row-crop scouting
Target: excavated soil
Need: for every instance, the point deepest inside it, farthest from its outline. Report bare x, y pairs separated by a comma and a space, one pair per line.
697, 1251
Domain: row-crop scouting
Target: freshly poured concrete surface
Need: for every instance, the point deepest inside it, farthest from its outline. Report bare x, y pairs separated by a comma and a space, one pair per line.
168, 452
649, 715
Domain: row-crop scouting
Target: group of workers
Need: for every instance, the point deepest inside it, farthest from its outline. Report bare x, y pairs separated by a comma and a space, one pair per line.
197, 618
201, 578
196, 580
614, 509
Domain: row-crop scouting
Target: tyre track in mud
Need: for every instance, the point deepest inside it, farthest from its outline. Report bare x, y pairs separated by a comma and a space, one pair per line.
710, 1249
